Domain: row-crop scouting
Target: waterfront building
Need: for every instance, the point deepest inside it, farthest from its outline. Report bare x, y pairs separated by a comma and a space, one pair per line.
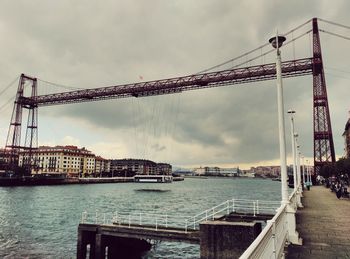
4, 157
70, 160
266, 171
102, 166
199, 171
216, 171
183, 172
139, 166
346, 136
163, 169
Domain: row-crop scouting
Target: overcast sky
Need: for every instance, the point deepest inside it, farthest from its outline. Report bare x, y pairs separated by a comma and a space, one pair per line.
88, 44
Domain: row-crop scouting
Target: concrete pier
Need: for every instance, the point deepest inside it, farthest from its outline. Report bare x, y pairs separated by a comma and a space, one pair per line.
103, 241
217, 239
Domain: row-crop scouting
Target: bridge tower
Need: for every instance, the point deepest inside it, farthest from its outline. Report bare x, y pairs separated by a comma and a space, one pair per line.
323, 137
13, 142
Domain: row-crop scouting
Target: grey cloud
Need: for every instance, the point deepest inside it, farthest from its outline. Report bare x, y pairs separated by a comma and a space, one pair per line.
87, 44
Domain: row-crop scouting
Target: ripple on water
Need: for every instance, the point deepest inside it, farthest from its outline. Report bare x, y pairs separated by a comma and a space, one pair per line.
41, 222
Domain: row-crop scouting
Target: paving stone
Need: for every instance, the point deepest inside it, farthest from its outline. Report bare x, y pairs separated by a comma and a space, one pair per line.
324, 226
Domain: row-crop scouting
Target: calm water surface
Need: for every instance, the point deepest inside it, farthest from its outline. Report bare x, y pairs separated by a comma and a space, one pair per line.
42, 221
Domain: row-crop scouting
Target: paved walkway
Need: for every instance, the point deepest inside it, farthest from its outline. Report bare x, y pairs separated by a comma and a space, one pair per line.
324, 226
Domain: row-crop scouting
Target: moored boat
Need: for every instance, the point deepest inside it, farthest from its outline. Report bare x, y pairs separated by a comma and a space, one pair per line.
153, 178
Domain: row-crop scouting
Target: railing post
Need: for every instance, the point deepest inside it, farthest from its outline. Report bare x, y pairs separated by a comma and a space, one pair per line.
156, 223
254, 207
228, 207
206, 215
140, 221
233, 205
194, 223
129, 220
257, 207
104, 218
115, 217
96, 217
274, 239
186, 226
83, 217
166, 220
212, 216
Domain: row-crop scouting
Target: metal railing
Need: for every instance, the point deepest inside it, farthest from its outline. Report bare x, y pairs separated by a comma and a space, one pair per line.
186, 223
271, 241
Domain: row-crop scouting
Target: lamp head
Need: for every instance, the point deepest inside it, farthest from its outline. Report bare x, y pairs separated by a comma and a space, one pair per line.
290, 111
277, 41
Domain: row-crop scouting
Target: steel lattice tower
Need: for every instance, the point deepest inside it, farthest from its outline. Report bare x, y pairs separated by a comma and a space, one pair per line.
323, 137
13, 142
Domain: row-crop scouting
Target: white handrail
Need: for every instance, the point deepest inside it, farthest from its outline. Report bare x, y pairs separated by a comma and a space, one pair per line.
272, 239
166, 220
267, 233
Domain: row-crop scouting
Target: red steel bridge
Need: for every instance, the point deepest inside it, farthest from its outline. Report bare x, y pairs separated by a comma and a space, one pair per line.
323, 138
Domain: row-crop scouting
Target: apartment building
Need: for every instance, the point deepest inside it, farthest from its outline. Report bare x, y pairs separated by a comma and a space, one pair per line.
71, 160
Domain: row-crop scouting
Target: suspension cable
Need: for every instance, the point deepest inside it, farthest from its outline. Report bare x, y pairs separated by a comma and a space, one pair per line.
3, 107
61, 86
9, 85
272, 50
252, 51
338, 70
336, 34
334, 23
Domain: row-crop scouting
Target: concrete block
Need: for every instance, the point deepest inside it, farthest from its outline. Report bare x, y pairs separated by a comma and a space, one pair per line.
222, 239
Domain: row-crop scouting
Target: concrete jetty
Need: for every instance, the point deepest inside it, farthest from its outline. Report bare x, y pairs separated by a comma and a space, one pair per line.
217, 239
324, 226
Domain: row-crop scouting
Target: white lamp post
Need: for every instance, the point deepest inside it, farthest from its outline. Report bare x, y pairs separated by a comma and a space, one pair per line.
291, 112
302, 158
293, 235
307, 174
277, 42
298, 167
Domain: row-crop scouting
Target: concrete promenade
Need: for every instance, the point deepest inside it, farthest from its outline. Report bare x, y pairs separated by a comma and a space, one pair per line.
324, 226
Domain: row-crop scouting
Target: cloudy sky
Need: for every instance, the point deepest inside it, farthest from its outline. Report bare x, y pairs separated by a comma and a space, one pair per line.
87, 44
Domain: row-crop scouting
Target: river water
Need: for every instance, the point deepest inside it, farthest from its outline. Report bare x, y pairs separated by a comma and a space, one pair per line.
42, 221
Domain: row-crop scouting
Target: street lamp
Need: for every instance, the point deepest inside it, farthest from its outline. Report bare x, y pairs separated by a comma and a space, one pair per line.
302, 158
277, 42
298, 165
291, 112
307, 175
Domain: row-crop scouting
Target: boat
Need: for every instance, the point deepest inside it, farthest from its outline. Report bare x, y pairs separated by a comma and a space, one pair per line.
12, 179
153, 178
